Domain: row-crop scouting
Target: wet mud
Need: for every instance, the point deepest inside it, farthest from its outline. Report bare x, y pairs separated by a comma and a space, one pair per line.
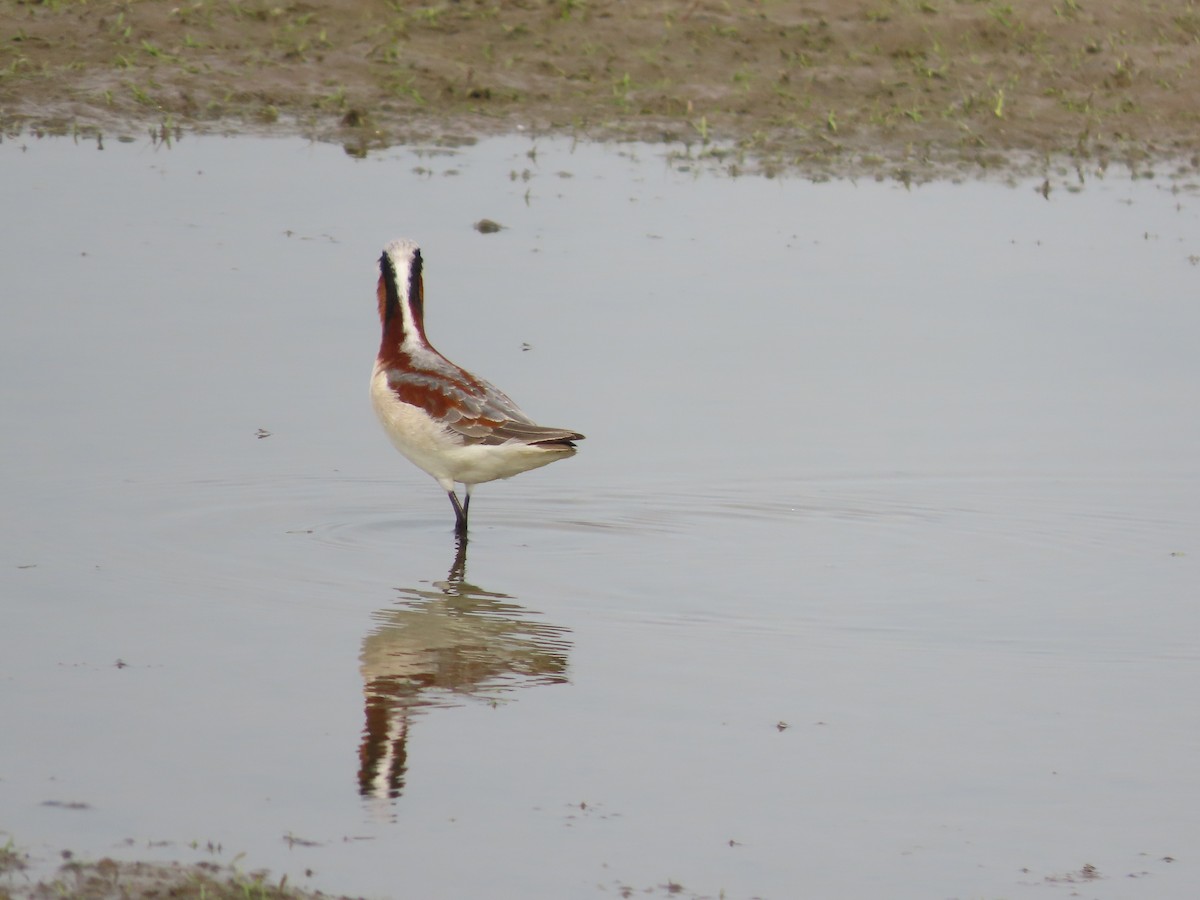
872, 84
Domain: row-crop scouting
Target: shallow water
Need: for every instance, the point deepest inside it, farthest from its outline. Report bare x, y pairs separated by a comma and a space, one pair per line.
876, 575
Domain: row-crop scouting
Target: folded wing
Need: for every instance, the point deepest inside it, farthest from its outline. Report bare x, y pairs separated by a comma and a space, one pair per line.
471, 407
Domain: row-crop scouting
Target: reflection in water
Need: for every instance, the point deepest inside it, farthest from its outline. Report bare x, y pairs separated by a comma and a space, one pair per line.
437, 647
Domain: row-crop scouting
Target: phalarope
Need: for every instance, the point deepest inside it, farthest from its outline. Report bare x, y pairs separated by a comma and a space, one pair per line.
454, 425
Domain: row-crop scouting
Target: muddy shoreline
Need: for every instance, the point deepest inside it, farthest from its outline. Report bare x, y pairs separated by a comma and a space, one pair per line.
900, 86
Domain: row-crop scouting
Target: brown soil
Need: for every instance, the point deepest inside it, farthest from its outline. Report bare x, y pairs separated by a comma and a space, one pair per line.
110, 879
835, 84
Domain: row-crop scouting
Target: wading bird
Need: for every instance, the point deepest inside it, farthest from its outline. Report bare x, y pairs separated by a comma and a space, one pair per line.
452, 424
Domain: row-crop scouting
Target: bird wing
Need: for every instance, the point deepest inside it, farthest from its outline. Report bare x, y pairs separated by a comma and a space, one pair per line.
471, 407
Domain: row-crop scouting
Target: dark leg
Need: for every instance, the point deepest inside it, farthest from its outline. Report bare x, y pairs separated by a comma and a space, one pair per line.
460, 513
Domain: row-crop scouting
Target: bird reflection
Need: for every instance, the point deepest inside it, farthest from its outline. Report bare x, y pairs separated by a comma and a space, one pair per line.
441, 646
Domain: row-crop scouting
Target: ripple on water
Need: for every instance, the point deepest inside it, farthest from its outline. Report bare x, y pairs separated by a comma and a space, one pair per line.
246, 529
362, 513
258, 531
673, 507
1034, 563
1083, 512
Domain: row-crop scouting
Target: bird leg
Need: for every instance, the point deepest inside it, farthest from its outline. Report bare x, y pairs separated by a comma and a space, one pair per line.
460, 512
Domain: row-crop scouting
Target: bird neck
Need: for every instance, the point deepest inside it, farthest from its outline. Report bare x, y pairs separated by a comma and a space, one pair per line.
402, 314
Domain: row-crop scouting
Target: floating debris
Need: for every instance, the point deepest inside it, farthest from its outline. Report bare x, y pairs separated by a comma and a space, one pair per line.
66, 804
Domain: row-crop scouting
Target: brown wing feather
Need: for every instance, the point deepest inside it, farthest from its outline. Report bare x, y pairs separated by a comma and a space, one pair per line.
471, 407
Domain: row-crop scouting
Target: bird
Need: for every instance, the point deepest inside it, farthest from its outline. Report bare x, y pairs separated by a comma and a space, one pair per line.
452, 424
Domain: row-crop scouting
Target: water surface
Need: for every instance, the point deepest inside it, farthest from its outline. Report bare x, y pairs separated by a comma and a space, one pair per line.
876, 575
